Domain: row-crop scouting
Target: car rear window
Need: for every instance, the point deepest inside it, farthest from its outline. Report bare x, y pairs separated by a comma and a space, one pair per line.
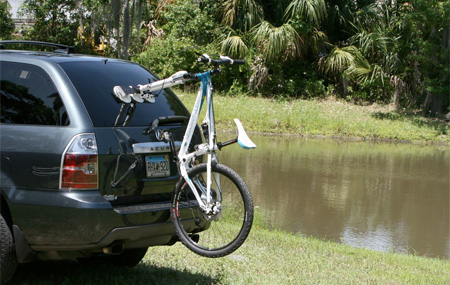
95, 81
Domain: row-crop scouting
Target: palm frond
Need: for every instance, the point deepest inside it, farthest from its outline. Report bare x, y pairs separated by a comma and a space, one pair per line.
340, 59
234, 46
317, 39
377, 73
244, 14
359, 70
363, 72
313, 10
277, 41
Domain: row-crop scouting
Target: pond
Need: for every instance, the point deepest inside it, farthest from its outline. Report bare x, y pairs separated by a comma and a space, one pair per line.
386, 197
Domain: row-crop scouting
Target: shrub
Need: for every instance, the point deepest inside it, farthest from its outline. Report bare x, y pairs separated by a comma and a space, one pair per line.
166, 56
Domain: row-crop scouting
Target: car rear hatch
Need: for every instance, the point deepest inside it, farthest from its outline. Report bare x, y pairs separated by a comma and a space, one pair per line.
136, 171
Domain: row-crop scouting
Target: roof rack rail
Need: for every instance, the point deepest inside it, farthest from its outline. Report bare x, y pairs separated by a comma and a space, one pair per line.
70, 49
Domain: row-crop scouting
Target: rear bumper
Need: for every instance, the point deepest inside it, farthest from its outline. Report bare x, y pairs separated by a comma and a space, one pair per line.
129, 237
126, 237
83, 221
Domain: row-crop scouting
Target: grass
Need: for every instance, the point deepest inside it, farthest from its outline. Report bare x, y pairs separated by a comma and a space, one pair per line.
267, 257
328, 118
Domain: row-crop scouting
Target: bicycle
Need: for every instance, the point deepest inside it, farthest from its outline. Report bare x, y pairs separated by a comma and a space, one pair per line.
208, 195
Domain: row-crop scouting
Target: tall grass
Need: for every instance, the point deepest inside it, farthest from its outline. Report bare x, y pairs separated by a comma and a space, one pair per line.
330, 118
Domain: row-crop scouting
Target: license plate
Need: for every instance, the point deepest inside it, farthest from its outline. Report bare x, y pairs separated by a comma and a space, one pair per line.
157, 166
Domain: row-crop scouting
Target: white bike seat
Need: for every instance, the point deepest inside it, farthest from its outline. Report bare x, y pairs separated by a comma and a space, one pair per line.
243, 140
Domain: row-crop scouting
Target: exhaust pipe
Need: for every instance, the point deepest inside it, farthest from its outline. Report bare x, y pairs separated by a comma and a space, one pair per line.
114, 249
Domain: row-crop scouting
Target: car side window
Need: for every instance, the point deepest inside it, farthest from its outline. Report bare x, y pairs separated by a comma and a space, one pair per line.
28, 96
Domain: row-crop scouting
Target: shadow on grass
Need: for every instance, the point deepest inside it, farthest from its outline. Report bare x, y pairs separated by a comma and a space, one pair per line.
439, 125
72, 272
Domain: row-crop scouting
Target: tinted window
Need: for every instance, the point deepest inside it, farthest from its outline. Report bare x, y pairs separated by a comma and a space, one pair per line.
95, 81
28, 96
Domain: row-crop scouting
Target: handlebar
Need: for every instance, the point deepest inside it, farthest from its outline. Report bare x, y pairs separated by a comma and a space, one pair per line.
223, 60
142, 93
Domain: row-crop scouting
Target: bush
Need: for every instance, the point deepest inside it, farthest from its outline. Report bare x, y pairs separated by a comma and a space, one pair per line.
6, 23
184, 19
166, 56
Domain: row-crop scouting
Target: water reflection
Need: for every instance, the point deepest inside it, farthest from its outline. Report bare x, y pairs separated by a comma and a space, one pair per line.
386, 197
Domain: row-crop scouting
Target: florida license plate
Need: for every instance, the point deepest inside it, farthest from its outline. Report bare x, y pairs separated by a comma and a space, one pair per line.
157, 166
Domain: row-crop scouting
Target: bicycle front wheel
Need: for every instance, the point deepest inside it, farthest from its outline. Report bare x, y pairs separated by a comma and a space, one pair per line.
213, 235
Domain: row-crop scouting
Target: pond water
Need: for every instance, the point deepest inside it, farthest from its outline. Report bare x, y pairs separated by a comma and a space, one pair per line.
386, 197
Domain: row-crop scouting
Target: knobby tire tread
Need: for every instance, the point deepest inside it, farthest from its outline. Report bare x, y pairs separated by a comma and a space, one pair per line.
8, 259
243, 234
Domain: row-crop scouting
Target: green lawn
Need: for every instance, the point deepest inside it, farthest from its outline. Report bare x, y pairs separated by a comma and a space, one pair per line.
329, 118
267, 257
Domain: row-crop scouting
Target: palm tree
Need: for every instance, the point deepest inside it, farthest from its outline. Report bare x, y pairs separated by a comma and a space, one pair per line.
277, 42
372, 58
273, 29
313, 11
242, 14
377, 36
233, 44
342, 63
285, 41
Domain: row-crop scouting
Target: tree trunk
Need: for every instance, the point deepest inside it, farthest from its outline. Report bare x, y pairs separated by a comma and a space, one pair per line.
116, 7
139, 19
433, 104
398, 89
344, 87
126, 30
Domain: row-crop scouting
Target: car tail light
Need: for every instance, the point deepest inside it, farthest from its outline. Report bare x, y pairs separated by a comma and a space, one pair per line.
79, 165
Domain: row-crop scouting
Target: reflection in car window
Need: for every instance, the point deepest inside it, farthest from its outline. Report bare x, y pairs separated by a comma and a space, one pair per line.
28, 96
95, 81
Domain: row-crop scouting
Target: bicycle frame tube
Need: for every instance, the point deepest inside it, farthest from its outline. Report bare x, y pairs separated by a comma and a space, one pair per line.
211, 137
185, 158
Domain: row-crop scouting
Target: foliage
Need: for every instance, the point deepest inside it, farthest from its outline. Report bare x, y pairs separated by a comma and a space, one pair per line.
427, 24
52, 23
242, 14
166, 56
399, 45
185, 20
379, 51
104, 26
277, 43
313, 11
234, 45
6, 23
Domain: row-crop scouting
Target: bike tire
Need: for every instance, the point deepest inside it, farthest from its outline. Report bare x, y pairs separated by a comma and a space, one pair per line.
208, 235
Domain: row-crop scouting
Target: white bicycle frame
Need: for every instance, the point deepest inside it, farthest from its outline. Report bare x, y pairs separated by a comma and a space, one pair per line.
209, 148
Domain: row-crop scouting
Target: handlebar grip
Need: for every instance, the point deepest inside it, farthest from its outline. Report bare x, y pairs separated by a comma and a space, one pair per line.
238, 61
204, 59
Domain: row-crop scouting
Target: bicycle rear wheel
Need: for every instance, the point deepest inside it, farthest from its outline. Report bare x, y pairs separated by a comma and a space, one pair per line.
213, 235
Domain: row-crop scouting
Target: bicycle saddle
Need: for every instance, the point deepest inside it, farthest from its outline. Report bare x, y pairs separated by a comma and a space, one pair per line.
243, 140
